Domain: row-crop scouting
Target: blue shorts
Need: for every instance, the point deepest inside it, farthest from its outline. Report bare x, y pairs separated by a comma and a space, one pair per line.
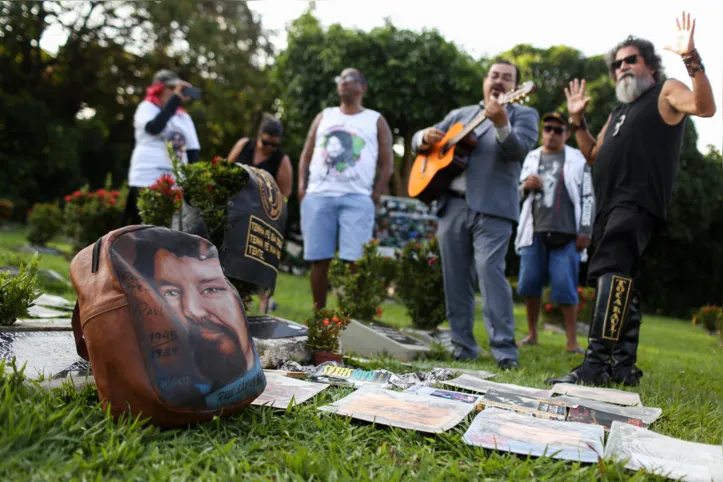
540, 265
325, 219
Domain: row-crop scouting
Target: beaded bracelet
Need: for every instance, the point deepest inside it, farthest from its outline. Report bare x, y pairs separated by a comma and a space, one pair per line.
693, 62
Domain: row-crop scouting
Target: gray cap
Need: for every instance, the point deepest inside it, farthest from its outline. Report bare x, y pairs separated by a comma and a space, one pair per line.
167, 77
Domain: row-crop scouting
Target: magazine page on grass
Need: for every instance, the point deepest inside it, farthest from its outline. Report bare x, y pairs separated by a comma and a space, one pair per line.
475, 384
506, 431
647, 415
445, 394
399, 409
609, 395
281, 390
663, 455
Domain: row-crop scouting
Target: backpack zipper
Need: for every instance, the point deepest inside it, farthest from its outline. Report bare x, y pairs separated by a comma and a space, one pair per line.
96, 255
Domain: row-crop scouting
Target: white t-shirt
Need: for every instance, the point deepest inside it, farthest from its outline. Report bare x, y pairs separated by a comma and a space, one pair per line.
150, 158
345, 155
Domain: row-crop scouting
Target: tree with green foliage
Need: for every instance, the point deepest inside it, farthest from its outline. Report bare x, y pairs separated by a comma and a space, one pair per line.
407, 72
66, 119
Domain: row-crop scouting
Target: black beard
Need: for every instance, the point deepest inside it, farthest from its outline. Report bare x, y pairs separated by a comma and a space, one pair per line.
211, 363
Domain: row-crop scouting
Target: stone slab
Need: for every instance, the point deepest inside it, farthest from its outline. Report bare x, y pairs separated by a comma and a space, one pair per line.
37, 311
369, 340
43, 324
53, 301
79, 382
42, 352
270, 327
47, 346
278, 340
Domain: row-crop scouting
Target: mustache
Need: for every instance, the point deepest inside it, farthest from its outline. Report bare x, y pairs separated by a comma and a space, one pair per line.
205, 324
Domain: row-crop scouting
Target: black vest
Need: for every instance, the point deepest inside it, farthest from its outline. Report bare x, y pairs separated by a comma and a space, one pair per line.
638, 161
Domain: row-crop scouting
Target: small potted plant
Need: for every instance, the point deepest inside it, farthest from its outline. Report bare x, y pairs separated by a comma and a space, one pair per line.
324, 333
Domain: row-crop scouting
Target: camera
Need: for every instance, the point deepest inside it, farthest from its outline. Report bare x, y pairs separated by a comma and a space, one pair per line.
192, 92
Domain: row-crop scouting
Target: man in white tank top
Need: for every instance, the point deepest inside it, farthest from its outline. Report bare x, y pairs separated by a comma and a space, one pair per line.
337, 171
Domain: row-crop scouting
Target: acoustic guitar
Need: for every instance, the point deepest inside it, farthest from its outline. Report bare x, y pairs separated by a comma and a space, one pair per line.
435, 169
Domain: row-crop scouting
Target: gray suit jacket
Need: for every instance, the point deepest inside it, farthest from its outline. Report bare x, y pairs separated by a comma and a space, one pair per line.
493, 168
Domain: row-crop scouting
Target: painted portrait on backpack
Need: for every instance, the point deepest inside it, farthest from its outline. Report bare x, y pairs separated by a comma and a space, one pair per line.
189, 319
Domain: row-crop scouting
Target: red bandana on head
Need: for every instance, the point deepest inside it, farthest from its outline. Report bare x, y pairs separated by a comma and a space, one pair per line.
153, 92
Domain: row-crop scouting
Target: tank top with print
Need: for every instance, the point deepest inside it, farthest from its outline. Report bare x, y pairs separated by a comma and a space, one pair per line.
345, 153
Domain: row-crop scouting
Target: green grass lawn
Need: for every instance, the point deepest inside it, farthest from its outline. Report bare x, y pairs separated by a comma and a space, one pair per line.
64, 435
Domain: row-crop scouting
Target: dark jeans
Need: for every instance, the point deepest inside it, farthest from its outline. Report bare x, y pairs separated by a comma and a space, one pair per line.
621, 237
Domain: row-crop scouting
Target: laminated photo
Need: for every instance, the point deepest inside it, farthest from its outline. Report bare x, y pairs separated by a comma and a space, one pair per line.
505, 431
399, 409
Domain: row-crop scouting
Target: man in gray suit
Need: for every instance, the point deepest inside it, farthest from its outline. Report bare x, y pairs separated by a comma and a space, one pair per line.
477, 215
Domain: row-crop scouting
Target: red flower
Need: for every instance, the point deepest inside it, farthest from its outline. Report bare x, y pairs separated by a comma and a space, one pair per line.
101, 192
77, 194
380, 312
68, 198
579, 291
209, 187
215, 160
112, 202
432, 261
326, 322
548, 307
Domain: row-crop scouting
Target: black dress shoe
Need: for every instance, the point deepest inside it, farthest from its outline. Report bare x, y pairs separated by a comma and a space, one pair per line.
508, 364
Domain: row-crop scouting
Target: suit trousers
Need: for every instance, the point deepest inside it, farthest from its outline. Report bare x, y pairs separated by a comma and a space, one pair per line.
473, 247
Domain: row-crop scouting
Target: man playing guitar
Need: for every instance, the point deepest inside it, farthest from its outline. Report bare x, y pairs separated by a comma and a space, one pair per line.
477, 214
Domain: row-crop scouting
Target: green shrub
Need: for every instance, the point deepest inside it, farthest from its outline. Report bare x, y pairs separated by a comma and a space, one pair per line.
710, 317
208, 187
91, 215
361, 289
388, 269
158, 203
420, 285
44, 222
17, 292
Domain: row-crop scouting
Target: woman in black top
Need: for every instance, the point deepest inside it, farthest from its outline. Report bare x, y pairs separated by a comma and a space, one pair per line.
264, 152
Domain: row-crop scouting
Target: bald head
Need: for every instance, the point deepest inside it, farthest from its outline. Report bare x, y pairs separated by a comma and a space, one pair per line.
351, 85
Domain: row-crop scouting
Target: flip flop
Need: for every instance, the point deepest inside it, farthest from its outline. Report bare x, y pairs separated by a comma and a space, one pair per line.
527, 342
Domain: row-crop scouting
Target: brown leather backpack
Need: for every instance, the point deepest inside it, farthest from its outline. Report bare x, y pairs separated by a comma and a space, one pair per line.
166, 334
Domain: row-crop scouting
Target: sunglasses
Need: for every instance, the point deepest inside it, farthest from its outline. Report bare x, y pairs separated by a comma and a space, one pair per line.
630, 60
269, 143
347, 78
555, 129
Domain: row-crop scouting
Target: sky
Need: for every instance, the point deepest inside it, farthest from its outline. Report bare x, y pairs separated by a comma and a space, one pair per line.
593, 28
485, 29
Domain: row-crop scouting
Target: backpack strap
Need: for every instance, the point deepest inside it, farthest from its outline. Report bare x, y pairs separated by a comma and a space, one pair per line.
78, 332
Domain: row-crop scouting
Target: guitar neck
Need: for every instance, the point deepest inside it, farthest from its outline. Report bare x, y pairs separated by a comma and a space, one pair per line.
468, 128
